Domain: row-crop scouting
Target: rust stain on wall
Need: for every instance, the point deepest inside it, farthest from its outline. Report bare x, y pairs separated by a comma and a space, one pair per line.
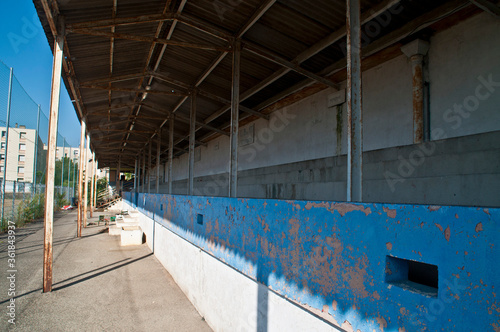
389, 246
382, 323
390, 213
479, 227
447, 233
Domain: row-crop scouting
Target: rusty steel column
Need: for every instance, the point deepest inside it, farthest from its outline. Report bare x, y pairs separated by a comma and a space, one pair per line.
354, 104
170, 152
192, 138
158, 154
86, 189
119, 180
92, 186
51, 162
135, 176
415, 51
95, 183
143, 170
149, 167
235, 102
80, 179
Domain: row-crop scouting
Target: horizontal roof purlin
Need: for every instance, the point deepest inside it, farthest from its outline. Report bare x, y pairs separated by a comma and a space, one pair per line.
131, 66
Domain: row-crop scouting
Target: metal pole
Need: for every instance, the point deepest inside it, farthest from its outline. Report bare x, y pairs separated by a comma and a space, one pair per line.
354, 105
158, 148
69, 175
170, 152
118, 183
9, 104
13, 201
62, 166
37, 133
95, 183
143, 170
149, 167
92, 187
135, 176
86, 189
51, 162
80, 178
192, 137
235, 101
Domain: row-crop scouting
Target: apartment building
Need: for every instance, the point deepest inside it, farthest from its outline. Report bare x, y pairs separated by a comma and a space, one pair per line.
19, 151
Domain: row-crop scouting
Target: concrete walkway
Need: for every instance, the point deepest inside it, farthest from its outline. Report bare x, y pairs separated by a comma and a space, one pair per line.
98, 285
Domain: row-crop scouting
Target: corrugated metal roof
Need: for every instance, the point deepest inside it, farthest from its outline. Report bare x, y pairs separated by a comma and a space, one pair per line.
287, 29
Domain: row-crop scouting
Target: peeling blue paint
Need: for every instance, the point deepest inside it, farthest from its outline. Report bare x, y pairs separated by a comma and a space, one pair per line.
333, 254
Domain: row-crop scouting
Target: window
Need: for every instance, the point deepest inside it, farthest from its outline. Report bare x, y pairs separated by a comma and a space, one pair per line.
3, 144
65, 155
2, 157
22, 135
2, 169
20, 179
22, 158
4, 133
75, 152
20, 170
22, 147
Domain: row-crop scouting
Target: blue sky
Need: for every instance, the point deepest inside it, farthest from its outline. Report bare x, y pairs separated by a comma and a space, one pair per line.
24, 47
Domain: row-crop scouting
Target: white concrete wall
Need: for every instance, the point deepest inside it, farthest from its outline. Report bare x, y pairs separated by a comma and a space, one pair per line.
457, 58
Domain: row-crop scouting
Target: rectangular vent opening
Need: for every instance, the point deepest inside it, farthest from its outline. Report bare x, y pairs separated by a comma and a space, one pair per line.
199, 219
411, 275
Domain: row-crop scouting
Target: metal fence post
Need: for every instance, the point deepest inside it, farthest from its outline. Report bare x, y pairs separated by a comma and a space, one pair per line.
7, 122
14, 201
69, 175
62, 167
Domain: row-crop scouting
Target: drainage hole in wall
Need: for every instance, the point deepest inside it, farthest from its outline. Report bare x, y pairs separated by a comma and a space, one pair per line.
199, 219
411, 275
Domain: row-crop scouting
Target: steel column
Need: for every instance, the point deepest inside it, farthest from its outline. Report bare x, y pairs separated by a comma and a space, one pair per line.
149, 166
95, 182
92, 187
51, 162
235, 101
69, 175
158, 150
143, 170
119, 181
62, 166
80, 178
86, 189
135, 176
354, 104
170, 152
192, 138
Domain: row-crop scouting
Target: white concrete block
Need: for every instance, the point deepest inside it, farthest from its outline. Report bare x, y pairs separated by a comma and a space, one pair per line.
131, 236
115, 230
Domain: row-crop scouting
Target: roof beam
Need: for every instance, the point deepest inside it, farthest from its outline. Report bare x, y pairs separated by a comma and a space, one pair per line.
98, 33
488, 7
207, 94
115, 79
123, 21
268, 55
167, 93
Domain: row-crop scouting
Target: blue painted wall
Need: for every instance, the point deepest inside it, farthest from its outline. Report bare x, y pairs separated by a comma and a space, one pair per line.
332, 256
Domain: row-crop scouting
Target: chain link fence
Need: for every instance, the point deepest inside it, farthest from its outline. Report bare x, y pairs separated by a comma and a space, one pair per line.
24, 131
